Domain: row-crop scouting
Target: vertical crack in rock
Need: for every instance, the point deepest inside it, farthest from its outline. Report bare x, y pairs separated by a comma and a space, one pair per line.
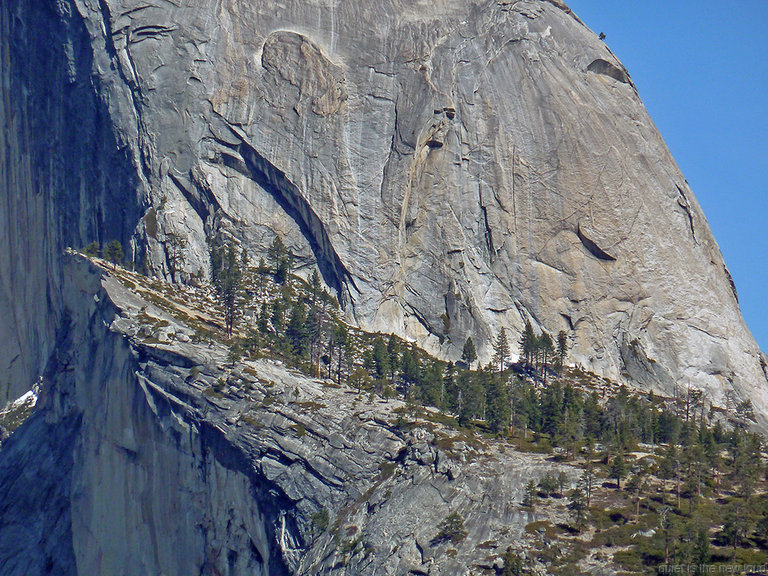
731, 282
683, 202
487, 226
488, 234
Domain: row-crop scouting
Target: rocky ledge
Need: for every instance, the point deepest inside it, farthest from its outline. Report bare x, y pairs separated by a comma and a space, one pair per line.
156, 455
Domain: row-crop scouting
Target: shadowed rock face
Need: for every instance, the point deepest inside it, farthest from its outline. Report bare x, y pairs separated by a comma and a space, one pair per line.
67, 176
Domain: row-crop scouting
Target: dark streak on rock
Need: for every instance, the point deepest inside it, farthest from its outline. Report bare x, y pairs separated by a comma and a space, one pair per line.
593, 248
686, 206
202, 200
731, 282
272, 500
254, 166
488, 234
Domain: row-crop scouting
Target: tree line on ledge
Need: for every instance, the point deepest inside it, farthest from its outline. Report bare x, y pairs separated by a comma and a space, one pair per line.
704, 457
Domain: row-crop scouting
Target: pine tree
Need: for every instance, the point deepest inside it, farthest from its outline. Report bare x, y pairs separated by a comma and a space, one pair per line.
227, 274
341, 344
262, 268
677, 468
762, 522
359, 378
263, 320
530, 495
451, 530
667, 468
552, 410
547, 485
562, 349
577, 506
314, 333
701, 550
547, 348
469, 354
635, 486
281, 258
175, 244
618, 469
297, 330
668, 527
736, 525
431, 384
380, 359
497, 411
113, 253
276, 251
745, 412
711, 455
471, 397
501, 350
573, 426
315, 286
527, 343
92, 249
277, 317
450, 389
393, 351
410, 370
745, 449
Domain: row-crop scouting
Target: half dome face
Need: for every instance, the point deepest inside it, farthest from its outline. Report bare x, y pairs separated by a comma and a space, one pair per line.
452, 167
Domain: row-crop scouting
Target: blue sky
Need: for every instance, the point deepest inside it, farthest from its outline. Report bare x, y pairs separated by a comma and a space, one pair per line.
702, 71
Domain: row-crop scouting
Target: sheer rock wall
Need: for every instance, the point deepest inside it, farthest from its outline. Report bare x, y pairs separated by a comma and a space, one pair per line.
453, 167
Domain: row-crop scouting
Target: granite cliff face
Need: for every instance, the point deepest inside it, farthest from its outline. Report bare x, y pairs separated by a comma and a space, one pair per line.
452, 167
65, 176
482, 162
